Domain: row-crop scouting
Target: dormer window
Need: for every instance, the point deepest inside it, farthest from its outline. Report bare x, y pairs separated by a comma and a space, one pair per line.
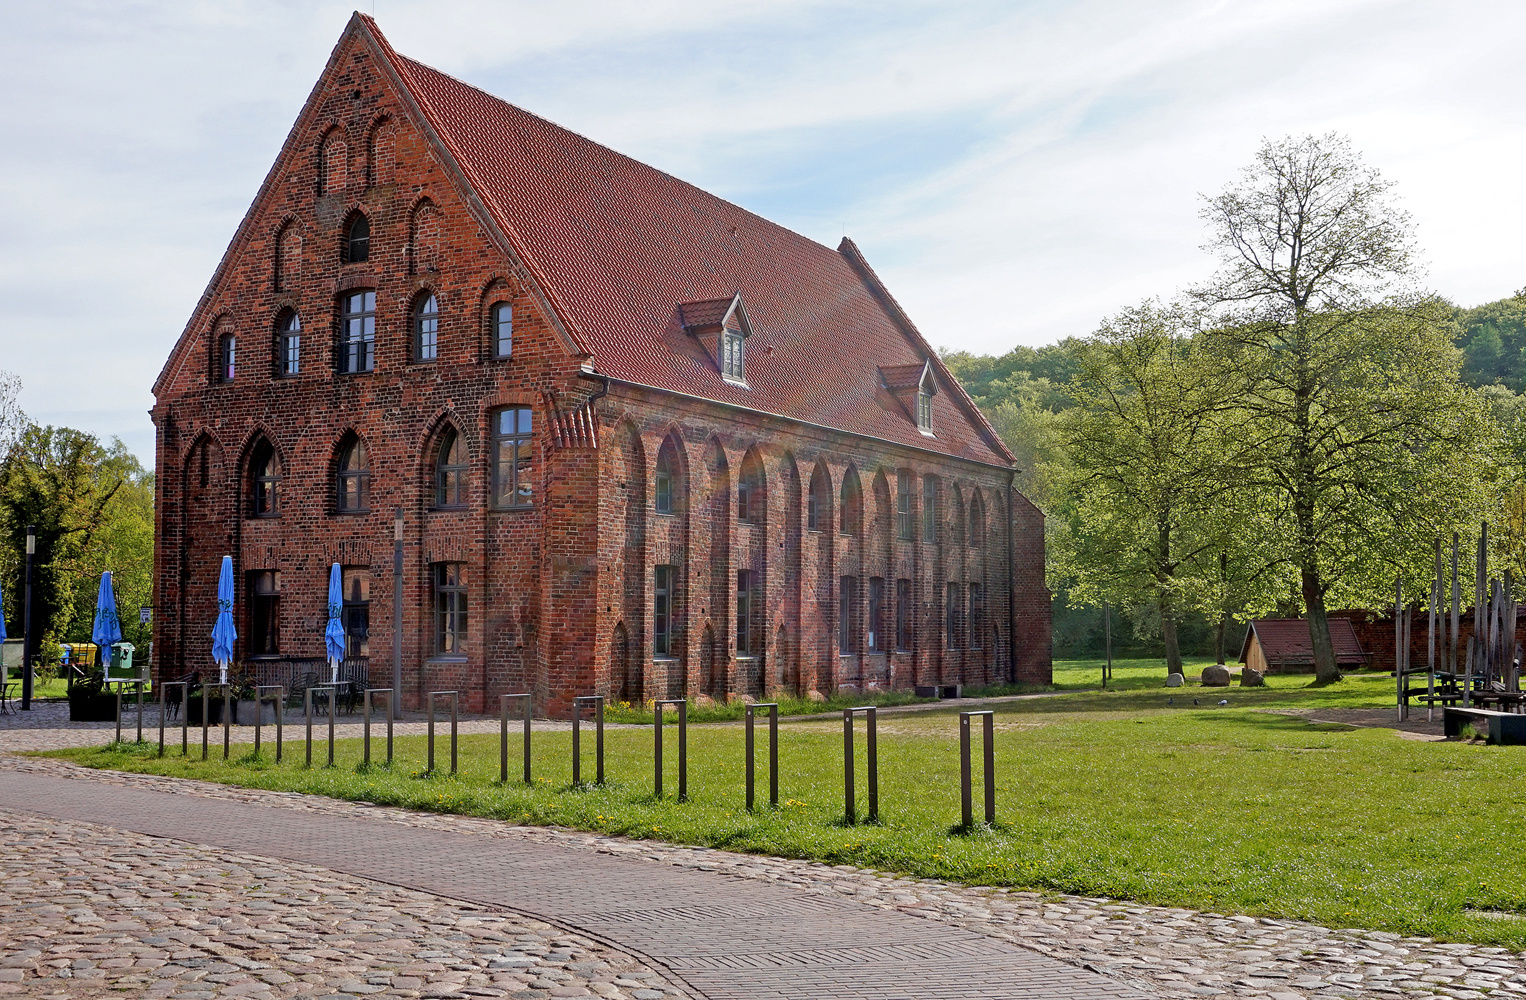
731, 355
913, 386
722, 327
924, 411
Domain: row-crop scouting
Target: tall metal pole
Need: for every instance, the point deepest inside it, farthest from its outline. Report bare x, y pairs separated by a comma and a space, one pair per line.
393, 700
28, 640
1107, 629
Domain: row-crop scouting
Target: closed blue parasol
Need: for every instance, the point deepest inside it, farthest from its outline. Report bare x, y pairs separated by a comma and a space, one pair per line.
333, 635
107, 628
223, 633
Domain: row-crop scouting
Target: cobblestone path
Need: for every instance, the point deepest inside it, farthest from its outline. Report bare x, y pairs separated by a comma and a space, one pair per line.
724, 935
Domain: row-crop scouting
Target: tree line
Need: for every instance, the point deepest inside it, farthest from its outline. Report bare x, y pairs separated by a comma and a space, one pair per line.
1285, 438
93, 508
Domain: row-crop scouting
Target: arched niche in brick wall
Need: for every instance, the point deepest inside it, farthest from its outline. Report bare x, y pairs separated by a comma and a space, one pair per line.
287, 266
381, 153
424, 224
333, 163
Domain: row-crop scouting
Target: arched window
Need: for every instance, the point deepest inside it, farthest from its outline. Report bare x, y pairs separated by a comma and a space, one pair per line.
852, 504
264, 481
357, 240
666, 485
354, 482
818, 501
227, 357
503, 330
977, 523
450, 470
288, 344
357, 332
426, 329
751, 503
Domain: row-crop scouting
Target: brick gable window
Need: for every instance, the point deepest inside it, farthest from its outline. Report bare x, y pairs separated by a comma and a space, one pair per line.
357, 240
426, 329
665, 478
513, 459
353, 485
449, 584
664, 589
288, 344
503, 330
817, 502
852, 504
357, 333
751, 501
227, 357
450, 469
264, 481
903, 524
977, 536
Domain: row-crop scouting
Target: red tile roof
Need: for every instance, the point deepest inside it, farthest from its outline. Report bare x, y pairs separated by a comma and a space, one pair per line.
617, 246
1286, 640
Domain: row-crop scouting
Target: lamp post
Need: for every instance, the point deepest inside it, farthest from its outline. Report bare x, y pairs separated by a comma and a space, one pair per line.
397, 614
27, 643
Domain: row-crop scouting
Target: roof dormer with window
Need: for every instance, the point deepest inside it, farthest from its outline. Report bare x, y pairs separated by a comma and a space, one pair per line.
914, 386
721, 325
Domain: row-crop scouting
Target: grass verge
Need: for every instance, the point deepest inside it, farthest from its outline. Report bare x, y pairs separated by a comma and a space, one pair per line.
1103, 793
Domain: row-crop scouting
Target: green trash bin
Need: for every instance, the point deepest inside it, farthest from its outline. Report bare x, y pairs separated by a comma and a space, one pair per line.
120, 668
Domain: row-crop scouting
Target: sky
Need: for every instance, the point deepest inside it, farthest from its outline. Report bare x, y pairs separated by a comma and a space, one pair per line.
1014, 171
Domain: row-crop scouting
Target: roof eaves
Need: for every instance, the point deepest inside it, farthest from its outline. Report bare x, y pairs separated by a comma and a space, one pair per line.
856, 260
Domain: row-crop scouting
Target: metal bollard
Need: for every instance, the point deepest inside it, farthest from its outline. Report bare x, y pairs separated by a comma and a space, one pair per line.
773, 753
503, 735
139, 686
965, 796
597, 701
683, 746
118, 738
307, 708
259, 711
367, 702
453, 703
850, 813
185, 721
206, 714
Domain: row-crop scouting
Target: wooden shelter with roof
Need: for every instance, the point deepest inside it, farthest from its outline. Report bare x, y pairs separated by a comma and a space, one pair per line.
643, 442
1283, 646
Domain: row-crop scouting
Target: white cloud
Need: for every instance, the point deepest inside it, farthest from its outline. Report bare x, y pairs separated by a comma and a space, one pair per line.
1015, 171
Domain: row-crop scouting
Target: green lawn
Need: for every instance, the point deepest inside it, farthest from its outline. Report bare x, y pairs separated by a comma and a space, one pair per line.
1099, 793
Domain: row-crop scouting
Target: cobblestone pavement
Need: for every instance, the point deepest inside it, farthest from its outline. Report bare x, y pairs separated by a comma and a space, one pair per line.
93, 912
1170, 952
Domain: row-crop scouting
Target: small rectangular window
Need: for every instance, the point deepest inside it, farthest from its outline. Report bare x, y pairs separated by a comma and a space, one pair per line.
903, 615
426, 330
744, 612
876, 614
847, 614
503, 330
357, 333
291, 347
449, 609
265, 612
227, 364
664, 491
903, 527
663, 579
951, 609
977, 615
925, 411
513, 458
731, 354
930, 509
813, 508
356, 614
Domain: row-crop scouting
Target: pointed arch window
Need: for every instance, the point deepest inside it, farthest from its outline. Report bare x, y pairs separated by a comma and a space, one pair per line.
751, 502
426, 329
353, 487
852, 505
450, 479
289, 344
264, 481
818, 508
666, 480
357, 240
977, 536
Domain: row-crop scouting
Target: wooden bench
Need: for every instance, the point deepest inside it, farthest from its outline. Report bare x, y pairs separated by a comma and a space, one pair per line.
1505, 728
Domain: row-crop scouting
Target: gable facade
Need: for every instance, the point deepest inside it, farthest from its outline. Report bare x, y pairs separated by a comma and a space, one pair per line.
587, 503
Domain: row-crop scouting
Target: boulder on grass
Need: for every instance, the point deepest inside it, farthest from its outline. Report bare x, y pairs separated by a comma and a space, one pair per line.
1216, 676
1175, 680
816, 696
1251, 678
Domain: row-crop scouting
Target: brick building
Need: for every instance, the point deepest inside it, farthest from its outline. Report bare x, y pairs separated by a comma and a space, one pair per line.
644, 442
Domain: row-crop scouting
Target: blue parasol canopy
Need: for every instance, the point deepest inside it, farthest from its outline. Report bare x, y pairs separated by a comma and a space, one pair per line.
223, 633
107, 628
333, 635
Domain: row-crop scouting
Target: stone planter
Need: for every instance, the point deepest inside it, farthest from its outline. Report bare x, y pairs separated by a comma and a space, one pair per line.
244, 712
